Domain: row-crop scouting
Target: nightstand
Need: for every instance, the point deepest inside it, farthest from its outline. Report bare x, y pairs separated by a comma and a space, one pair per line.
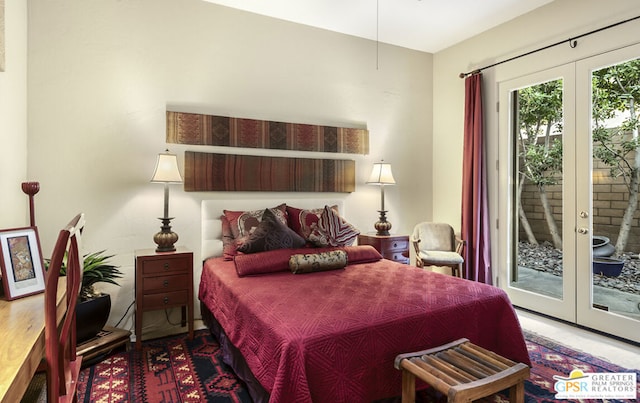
164, 280
392, 247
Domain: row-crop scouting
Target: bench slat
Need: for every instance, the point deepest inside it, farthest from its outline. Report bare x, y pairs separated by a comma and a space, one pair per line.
463, 371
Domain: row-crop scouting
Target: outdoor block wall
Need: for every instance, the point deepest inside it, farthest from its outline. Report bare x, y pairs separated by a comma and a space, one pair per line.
610, 199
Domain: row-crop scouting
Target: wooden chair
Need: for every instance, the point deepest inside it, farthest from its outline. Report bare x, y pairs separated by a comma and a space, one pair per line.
436, 244
62, 363
462, 371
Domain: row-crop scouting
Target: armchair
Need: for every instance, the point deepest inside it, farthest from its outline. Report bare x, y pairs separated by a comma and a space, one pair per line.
436, 244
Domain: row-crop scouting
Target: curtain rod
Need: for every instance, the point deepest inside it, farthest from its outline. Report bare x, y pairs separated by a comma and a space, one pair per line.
573, 42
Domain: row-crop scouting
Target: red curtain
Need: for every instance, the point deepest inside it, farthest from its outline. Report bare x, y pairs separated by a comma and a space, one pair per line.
475, 214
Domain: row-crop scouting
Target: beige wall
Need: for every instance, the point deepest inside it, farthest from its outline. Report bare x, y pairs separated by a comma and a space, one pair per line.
103, 73
13, 117
554, 22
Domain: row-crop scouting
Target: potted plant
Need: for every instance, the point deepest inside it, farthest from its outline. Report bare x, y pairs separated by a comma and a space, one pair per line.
93, 308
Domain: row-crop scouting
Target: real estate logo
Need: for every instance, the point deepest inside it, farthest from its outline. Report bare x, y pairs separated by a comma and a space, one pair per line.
580, 385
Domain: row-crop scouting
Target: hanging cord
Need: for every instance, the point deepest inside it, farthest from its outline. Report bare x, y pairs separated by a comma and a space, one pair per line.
125, 313
377, 32
573, 42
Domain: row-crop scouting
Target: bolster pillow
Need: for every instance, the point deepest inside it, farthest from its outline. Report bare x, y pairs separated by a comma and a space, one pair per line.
315, 262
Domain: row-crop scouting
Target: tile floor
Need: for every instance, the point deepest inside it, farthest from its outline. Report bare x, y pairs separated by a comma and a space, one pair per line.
626, 355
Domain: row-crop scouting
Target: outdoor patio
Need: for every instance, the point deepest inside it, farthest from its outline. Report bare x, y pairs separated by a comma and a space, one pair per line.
540, 271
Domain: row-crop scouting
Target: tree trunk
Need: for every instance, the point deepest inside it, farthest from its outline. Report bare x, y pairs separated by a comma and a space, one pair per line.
524, 221
625, 225
551, 222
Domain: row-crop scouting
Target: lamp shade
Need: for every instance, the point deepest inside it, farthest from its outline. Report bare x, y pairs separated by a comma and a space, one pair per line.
167, 169
381, 175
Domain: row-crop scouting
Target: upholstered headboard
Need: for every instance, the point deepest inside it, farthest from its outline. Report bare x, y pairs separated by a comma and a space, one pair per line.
211, 210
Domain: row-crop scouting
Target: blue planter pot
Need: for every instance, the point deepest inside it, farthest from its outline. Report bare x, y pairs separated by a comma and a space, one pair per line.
602, 246
607, 266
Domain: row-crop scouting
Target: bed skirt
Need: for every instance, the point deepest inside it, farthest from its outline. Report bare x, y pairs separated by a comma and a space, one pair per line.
232, 357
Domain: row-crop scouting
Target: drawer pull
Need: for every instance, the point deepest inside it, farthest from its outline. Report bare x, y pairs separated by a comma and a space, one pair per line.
166, 266
165, 300
165, 283
395, 244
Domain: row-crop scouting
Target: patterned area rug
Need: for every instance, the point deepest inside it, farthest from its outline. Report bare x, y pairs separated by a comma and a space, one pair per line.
175, 369
170, 370
549, 358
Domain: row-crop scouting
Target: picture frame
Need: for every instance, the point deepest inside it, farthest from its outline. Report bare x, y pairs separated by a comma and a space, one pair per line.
21, 262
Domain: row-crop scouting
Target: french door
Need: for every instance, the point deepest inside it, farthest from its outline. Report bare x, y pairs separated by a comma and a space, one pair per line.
569, 150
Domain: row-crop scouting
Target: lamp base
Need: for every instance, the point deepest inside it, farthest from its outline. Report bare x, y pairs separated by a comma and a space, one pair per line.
382, 226
165, 239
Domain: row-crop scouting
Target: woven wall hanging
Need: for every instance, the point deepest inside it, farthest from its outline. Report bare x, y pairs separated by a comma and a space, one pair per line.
198, 129
228, 172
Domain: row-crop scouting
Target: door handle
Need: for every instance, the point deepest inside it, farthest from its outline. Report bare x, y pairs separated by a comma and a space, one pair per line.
583, 230
584, 214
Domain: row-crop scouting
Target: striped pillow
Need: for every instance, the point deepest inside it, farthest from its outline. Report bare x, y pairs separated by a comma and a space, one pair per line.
302, 220
332, 230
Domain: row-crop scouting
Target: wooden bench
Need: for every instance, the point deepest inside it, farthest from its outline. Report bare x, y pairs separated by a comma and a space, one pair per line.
462, 371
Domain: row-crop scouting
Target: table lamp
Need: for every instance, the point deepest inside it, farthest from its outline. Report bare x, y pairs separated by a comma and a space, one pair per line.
381, 175
166, 172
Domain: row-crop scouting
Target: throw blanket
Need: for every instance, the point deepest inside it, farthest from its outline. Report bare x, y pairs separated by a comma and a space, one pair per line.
332, 336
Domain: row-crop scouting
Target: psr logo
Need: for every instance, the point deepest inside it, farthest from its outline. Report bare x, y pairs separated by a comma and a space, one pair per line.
580, 385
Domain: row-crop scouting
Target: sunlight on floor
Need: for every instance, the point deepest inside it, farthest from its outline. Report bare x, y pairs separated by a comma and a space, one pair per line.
618, 352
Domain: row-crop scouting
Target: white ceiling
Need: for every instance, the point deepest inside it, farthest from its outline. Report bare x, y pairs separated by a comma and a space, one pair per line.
426, 25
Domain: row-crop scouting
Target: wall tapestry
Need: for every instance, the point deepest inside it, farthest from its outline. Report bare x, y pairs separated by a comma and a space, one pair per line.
227, 172
197, 129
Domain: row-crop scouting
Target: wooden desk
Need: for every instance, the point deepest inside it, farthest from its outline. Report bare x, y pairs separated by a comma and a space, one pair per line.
22, 341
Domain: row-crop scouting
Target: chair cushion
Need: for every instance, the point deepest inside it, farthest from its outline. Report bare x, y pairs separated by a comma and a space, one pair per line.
439, 257
434, 236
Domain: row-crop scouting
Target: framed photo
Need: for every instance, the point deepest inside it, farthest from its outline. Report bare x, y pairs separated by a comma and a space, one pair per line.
21, 262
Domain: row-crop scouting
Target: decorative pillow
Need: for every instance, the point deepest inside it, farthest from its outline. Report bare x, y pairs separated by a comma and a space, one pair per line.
302, 220
315, 262
243, 222
362, 254
332, 230
277, 260
270, 234
229, 249
272, 261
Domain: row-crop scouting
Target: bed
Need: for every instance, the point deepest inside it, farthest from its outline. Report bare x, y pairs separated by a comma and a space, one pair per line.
332, 335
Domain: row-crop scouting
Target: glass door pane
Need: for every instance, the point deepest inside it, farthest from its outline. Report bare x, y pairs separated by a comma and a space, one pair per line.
616, 167
538, 139
609, 285
537, 134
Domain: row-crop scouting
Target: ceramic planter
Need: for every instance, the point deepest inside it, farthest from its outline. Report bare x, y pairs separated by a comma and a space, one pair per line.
91, 316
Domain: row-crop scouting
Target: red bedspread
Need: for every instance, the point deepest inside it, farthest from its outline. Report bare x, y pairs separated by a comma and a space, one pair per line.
332, 336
